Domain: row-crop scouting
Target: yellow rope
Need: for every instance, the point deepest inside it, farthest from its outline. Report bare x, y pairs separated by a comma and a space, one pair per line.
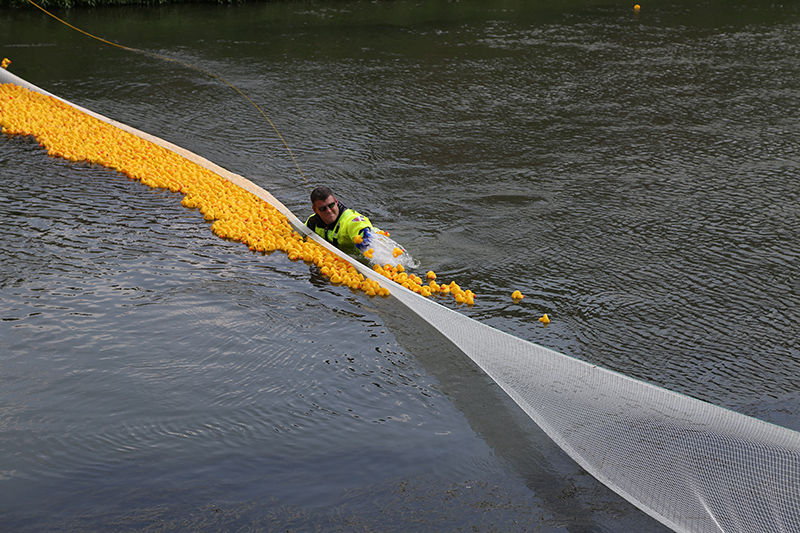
232, 86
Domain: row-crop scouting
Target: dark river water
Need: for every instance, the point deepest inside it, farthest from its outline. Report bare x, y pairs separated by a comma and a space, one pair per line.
637, 176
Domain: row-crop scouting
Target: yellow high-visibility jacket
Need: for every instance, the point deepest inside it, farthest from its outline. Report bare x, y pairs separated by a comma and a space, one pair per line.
343, 230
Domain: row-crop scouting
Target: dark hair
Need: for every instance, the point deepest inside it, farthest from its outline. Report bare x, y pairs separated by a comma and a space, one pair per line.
320, 193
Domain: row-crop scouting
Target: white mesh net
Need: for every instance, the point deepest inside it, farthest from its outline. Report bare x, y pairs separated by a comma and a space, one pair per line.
689, 464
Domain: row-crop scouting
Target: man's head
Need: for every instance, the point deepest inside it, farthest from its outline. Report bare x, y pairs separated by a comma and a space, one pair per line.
325, 204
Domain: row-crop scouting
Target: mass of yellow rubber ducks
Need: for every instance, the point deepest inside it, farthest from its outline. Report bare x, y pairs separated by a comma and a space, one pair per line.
235, 213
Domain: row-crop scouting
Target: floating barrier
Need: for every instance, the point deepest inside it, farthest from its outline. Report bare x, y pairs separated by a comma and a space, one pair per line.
691, 465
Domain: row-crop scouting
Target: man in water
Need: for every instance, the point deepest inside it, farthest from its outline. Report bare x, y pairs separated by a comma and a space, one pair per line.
334, 221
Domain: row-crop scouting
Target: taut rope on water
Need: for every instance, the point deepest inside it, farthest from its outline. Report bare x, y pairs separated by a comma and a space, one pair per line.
207, 73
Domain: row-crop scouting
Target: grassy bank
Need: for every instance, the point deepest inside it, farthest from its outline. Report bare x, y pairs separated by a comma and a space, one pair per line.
56, 4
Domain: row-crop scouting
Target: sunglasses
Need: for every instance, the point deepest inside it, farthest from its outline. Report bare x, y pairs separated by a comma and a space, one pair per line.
326, 207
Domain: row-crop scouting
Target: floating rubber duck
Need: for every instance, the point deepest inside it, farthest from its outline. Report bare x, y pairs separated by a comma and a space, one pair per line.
544, 319
636, 8
431, 275
397, 252
6, 62
516, 295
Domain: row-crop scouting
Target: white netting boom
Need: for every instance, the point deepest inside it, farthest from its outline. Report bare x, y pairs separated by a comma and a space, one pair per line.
689, 464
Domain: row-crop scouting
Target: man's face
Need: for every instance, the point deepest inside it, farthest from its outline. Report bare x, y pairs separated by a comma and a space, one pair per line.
328, 209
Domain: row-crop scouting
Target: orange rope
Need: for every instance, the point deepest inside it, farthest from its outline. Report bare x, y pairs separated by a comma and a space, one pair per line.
232, 86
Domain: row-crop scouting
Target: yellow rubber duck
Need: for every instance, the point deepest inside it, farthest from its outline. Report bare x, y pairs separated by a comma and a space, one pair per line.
545, 319
516, 295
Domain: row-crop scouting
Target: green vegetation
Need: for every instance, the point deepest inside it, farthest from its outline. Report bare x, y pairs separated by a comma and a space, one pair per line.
56, 4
